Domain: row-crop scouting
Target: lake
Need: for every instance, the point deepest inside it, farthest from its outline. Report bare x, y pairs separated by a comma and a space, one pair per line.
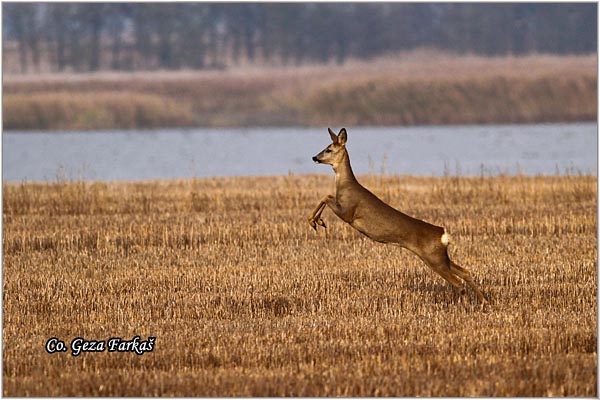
545, 149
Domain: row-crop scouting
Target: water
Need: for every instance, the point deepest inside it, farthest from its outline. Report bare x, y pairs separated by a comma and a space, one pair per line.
427, 151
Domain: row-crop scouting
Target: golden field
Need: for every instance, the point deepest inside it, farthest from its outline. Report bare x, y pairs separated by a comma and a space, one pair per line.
421, 87
245, 299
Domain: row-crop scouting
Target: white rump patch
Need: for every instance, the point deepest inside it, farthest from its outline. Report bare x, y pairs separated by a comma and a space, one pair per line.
446, 239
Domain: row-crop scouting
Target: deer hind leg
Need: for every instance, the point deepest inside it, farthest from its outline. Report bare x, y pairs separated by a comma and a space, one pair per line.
447, 274
464, 274
436, 260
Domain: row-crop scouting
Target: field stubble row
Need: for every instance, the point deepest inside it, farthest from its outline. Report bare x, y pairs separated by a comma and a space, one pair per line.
245, 299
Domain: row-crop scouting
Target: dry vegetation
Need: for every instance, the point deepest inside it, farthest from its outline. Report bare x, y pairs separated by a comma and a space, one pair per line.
416, 88
246, 300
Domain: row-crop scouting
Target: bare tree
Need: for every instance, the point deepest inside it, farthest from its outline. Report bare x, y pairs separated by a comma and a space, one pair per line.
201, 35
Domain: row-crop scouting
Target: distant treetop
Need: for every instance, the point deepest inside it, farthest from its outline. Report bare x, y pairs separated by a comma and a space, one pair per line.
148, 36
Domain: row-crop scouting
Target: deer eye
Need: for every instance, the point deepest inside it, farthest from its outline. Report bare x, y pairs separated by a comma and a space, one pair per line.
327, 150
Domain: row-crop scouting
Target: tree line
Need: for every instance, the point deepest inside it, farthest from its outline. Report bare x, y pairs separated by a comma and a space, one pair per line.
149, 36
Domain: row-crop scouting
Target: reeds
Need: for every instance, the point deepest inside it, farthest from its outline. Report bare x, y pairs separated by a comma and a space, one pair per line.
246, 300
102, 110
386, 101
420, 88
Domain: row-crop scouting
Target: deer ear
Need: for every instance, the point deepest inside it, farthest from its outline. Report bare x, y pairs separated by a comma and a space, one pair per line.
334, 137
343, 136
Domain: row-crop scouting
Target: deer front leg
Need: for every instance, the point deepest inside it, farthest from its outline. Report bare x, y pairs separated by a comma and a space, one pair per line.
315, 218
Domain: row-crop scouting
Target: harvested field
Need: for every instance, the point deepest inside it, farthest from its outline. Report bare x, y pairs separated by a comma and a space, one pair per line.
244, 299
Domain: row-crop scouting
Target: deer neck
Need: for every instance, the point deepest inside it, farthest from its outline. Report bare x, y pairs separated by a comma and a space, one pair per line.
343, 173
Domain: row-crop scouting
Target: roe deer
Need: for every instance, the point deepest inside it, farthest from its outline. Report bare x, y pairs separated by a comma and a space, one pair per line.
369, 215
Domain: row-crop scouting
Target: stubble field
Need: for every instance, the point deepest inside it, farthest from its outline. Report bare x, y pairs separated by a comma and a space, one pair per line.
244, 299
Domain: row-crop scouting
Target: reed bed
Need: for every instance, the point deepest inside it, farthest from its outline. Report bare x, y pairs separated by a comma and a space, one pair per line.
414, 88
104, 110
244, 299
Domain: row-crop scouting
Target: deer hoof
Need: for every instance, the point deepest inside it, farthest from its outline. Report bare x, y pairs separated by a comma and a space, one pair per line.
320, 222
484, 306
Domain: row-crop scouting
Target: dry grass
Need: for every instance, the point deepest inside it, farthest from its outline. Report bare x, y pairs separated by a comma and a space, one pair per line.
246, 300
486, 100
104, 110
416, 88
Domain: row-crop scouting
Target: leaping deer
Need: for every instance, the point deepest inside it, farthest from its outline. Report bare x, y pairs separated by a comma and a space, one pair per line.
369, 215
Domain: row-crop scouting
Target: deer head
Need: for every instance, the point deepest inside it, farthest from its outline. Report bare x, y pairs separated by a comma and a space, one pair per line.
334, 153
